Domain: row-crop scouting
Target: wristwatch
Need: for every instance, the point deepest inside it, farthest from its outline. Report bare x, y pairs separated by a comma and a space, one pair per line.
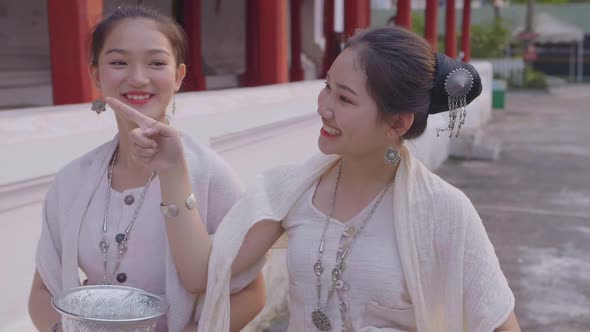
172, 210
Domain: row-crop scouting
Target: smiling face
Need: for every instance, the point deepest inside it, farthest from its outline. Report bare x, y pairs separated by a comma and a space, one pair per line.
137, 66
352, 124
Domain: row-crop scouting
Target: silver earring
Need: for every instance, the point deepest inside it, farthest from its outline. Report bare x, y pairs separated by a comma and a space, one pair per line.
392, 155
170, 114
99, 106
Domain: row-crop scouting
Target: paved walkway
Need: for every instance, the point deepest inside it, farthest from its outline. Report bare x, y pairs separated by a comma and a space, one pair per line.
535, 203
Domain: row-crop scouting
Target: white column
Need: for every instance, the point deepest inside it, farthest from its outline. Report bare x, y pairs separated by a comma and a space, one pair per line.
339, 16
318, 23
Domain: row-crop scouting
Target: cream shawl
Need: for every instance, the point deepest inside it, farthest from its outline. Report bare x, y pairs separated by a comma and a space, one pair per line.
215, 186
449, 264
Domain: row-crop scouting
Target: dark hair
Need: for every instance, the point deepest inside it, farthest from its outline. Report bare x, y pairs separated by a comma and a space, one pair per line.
168, 26
403, 74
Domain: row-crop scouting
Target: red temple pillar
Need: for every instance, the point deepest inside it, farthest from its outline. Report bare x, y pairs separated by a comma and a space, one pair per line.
430, 29
357, 15
70, 25
296, 73
466, 31
195, 79
450, 30
266, 42
404, 14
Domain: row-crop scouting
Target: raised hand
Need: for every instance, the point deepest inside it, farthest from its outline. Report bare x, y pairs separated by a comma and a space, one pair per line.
154, 143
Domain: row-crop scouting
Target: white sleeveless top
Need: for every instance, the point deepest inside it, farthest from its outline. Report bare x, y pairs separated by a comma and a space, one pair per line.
375, 291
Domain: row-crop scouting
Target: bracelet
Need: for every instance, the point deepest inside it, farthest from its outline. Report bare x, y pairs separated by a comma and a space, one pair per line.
173, 211
55, 327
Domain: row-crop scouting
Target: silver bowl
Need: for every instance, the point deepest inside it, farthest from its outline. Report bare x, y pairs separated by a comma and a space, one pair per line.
108, 308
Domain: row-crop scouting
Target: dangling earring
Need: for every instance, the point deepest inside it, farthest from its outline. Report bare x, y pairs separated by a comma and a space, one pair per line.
99, 106
392, 155
169, 116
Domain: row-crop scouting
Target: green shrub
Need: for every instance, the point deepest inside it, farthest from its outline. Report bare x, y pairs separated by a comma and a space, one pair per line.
489, 41
534, 79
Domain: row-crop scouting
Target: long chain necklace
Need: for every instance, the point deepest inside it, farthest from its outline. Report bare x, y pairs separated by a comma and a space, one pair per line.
121, 238
318, 316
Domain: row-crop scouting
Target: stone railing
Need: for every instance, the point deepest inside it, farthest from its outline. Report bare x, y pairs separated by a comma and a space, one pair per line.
508, 68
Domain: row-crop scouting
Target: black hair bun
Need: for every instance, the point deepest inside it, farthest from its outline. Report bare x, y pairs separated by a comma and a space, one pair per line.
439, 98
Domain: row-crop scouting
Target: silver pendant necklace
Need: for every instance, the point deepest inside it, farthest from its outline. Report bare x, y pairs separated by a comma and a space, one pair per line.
318, 316
121, 238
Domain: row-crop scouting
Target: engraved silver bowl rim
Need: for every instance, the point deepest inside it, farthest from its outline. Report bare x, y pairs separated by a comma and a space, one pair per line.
164, 305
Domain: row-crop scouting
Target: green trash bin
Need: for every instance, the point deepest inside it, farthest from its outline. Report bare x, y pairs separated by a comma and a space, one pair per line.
498, 94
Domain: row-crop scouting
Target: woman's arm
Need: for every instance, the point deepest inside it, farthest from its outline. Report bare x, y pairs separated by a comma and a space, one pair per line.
159, 146
189, 241
247, 304
258, 241
48, 252
187, 235
42, 313
510, 325
485, 286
